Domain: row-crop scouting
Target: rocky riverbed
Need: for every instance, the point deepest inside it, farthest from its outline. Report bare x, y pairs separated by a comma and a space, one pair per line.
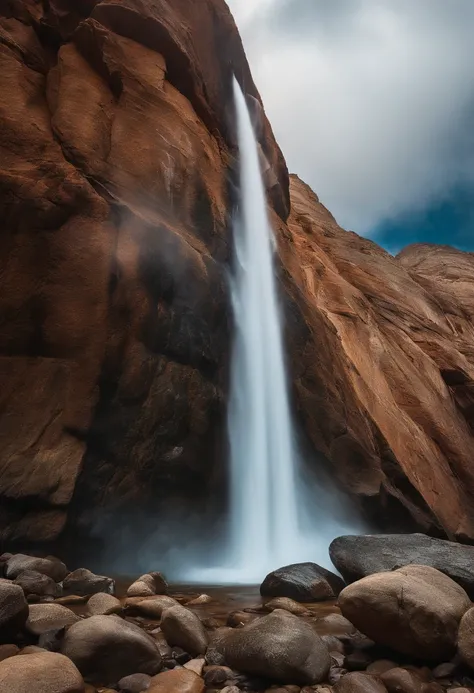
404, 630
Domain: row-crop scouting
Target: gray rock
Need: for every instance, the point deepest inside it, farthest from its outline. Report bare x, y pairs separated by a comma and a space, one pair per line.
356, 557
19, 562
13, 610
107, 648
303, 582
83, 582
148, 585
280, 647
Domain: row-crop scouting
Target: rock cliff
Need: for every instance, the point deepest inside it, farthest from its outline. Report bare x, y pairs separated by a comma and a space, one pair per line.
117, 188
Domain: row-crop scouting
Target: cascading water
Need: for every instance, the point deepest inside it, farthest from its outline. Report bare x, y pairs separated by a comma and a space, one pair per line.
275, 517
264, 520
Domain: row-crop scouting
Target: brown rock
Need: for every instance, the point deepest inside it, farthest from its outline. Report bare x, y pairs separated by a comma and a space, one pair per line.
202, 599
107, 648
148, 585
151, 608
51, 567
357, 682
287, 604
136, 683
380, 666
47, 617
466, 638
102, 604
45, 672
216, 676
34, 583
415, 609
183, 628
8, 651
196, 665
236, 619
13, 610
177, 681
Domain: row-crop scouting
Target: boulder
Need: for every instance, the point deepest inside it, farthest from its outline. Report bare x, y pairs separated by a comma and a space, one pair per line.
466, 638
13, 610
415, 610
148, 585
83, 582
279, 647
303, 582
107, 648
177, 681
102, 604
36, 583
136, 683
401, 680
8, 651
151, 608
183, 628
286, 604
356, 557
44, 618
40, 672
236, 619
19, 562
357, 682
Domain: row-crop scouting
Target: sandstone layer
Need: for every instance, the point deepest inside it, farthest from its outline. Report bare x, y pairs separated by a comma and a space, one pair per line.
117, 192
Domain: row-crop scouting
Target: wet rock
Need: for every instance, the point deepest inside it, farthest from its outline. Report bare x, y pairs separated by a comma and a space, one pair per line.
8, 651
214, 653
107, 648
182, 627
287, 604
40, 672
216, 676
177, 681
136, 683
336, 624
49, 617
72, 600
415, 609
380, 666
303, 582
358, 660
13, 610
102, 604
280, 647
84, 582
357, 682
19, 563
32, 582
237, 619
358, 556
202, 599
148, 585
152, 608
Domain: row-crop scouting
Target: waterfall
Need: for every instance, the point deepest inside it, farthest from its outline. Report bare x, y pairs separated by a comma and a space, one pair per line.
263, 510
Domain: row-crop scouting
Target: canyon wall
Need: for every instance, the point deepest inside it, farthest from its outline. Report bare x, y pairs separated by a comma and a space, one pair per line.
117, 190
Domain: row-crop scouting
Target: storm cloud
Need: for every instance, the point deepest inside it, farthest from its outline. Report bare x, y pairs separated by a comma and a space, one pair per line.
372, 101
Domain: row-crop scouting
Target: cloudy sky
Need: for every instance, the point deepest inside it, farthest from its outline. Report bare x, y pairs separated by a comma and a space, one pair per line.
372, 102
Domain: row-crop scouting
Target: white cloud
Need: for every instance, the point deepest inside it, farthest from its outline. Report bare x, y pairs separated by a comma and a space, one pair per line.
372, 101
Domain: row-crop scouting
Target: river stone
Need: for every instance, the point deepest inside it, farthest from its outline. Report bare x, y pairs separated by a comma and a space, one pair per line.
400, 680
280, 647
40, 672
153, 607
356, 557
182, 627
466, 638
33, 582
415, 610
107, 648
102, 604
177, 681
303, 582
7, 651
44, 618
357, 682
84, 582
13, 610
19, 562
286, 604
148, 585
136, 683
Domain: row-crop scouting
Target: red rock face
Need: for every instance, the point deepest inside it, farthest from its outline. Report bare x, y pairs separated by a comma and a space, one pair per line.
117, 185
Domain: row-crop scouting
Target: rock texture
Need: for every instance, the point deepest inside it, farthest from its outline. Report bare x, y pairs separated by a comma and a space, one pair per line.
117, 185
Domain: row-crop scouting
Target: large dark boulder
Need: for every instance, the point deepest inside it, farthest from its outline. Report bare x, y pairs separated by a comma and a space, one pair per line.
303, 582
356, 557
